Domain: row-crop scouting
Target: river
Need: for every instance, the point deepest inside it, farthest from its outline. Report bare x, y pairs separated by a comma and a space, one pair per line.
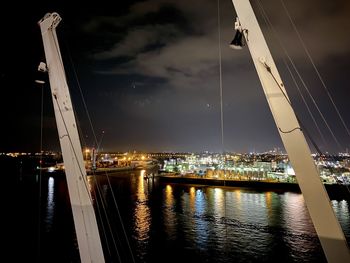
162, 222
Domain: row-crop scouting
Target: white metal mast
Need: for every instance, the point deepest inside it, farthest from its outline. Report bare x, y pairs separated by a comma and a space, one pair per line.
321, 212
86, 228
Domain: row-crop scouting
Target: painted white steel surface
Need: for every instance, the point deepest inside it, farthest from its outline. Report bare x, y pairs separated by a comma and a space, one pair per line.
316, 198
90, 248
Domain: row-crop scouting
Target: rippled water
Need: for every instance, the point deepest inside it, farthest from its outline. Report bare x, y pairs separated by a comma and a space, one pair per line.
176, 222
181, 223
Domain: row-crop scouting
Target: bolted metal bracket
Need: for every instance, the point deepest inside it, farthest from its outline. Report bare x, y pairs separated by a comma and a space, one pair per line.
238, 25
42, 67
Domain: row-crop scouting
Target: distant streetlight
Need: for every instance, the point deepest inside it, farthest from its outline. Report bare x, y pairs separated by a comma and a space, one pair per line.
87, 151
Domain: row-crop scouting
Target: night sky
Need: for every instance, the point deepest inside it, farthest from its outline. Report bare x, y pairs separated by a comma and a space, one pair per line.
149, 73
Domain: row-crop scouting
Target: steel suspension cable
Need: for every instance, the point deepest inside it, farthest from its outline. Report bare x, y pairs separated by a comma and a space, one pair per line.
221, 110
82, 95
315, 68
83, 175
220, 81
103, 201
305, 103
120, 218
267, 20
40, 170
98, 146
273, 30
103, 225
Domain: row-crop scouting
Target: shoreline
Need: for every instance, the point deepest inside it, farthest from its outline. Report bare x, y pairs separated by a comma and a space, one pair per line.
335, 191
102, 171
110, 170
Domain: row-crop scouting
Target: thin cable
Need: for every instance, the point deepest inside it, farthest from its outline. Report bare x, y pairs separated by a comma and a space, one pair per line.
299, 75
81, 93
299, 121
80, 131
102, 224
273, 30
305, 103
99, 143
220, 81
95, 138
120, 218
315, 68
40, 169
83, 175
221, 107
117, 209
106, 216
61, 62
318, 109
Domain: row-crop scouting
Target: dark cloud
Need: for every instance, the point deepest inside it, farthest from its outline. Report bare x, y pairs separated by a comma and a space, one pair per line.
149, 71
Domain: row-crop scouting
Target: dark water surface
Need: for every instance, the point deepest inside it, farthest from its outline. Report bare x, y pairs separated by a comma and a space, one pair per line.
162, 222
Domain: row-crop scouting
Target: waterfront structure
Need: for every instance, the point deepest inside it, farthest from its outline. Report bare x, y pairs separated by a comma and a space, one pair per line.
257, 166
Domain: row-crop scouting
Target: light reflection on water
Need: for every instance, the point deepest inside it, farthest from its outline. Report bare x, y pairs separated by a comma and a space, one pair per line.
295, 215
242, 223
342, 211
213, 224
218, 203
169, 213
50, 206
142, 211
201, 226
